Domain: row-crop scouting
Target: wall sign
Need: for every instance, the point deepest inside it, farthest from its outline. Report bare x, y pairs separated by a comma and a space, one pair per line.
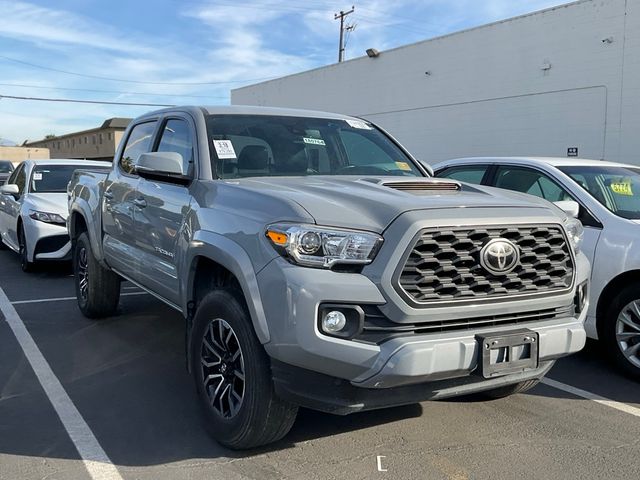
572, 152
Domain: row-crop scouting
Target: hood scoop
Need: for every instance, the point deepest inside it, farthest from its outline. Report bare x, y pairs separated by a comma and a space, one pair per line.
418, 187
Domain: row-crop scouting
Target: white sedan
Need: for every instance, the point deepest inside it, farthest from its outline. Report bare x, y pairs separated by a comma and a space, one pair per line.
33, 209
606, 199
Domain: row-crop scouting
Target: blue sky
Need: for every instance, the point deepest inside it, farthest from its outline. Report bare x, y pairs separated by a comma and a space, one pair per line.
191, 51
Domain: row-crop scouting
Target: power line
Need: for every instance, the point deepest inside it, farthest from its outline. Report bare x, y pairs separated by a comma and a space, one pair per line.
107, 91
111, 79
69, 100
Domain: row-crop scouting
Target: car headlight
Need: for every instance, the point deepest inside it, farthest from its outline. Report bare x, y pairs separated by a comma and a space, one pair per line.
316, 246
47, 217
575, 232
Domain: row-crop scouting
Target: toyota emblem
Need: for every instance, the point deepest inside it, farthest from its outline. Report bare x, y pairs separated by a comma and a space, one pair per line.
499, 256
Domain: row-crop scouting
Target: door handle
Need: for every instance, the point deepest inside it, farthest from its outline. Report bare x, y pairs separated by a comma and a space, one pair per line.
140, 202
108, 195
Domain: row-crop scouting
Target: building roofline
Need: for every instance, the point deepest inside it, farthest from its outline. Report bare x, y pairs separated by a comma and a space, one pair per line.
420, 42
105, 125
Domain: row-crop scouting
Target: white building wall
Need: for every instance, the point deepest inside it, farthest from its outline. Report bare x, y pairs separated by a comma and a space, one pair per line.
487, 92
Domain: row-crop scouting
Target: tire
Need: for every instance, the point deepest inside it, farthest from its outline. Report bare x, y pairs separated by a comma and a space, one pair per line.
25, 264
97, 288
620, 331
237, 396
509, 390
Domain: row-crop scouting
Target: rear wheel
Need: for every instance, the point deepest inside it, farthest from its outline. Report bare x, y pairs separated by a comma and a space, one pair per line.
97, 288
509, 390
620, 331
25, 264
233, 378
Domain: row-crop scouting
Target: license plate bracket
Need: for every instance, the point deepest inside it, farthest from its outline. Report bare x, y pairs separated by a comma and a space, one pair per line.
510, 352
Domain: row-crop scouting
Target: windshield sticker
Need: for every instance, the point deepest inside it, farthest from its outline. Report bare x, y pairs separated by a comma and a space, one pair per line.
403, 166
622, 188
37, 176
313, 141
359, 124
224, 149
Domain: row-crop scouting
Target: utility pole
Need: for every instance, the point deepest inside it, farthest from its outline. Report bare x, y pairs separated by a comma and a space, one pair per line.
342, 15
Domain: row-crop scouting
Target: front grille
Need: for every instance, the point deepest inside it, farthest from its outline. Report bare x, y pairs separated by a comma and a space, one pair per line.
444, 264
378, 328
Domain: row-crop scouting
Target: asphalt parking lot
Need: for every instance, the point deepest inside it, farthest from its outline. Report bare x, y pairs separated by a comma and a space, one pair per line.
127, 379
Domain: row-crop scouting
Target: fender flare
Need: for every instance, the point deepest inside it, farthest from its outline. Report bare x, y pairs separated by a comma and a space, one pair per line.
82, 208
234, 258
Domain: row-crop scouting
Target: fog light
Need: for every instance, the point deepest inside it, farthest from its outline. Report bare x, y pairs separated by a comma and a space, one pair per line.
334, 321
581, 297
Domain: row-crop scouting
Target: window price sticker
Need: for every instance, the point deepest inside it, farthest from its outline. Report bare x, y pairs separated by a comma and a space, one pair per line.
622, 188
224, 149
37, 176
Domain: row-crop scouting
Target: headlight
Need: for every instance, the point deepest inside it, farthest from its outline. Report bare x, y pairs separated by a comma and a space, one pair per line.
47, 217
575, 232
315, 246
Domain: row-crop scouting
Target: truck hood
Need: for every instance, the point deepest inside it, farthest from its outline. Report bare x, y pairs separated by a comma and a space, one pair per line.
372, 203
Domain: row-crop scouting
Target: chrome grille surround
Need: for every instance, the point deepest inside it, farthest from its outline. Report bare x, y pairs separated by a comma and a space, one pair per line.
442, 265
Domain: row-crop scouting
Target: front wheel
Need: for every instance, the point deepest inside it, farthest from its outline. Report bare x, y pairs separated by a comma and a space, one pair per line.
25, 264
620, 331
233, 377
97, 288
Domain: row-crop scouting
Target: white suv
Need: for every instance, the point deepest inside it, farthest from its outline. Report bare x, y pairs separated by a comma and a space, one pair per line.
608, 195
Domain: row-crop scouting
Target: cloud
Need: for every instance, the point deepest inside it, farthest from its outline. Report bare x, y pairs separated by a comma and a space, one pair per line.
42, 25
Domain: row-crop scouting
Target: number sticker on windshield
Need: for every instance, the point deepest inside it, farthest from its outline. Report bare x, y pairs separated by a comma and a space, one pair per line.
37, 176
622, 188
313, 141
224, 149
359, 124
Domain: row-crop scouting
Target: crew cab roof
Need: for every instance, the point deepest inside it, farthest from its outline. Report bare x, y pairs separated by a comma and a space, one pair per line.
253, 110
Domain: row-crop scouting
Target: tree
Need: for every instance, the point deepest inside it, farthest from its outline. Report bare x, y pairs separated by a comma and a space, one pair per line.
49, 136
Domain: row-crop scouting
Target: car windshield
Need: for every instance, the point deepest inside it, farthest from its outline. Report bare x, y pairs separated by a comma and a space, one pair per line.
617, 188
52, 178
263, 146
6, 167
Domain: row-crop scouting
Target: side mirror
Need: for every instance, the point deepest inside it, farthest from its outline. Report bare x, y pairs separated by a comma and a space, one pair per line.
156, 164
569, 207
10, 189
427, 167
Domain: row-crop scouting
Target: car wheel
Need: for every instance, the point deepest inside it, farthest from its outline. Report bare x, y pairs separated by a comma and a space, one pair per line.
25, 264
620, 331
509, 390
233, 377
97, 288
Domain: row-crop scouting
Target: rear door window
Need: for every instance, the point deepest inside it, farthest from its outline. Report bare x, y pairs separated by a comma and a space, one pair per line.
533, 182
467, 173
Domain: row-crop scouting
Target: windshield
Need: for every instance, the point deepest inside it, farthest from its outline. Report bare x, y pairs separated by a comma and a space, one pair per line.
264, 146
6, 167
617, 188
52, 178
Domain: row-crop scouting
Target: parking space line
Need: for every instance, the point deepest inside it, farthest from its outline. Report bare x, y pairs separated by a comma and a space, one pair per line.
95, 459
623, 407
62, 299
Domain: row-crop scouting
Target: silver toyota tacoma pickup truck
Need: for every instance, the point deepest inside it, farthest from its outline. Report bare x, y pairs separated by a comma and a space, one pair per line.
317, 264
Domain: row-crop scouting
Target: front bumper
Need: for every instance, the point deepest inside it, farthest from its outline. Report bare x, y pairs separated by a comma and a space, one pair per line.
291, 298
46, 241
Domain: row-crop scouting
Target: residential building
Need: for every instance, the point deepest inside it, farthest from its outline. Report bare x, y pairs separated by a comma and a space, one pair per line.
95, 144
